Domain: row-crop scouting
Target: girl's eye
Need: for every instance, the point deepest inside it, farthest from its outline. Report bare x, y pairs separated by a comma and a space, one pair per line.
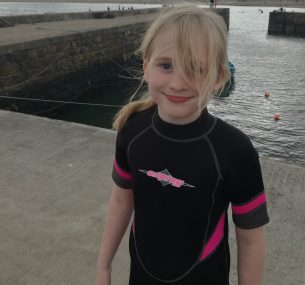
166, 66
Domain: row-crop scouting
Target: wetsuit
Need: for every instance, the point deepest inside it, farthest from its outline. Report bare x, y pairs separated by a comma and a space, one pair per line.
184, 177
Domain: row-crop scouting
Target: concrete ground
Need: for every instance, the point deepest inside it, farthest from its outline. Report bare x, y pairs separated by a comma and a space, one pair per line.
54, 186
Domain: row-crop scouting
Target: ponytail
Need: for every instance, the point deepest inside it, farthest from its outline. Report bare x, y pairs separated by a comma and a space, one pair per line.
140, 105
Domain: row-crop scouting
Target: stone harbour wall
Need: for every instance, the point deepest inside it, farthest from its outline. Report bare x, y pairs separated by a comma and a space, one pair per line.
286, 23
64, 67
6, 21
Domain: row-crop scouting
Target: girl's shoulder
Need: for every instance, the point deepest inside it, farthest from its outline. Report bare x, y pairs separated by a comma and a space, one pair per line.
231, 138
234, 149
231, 130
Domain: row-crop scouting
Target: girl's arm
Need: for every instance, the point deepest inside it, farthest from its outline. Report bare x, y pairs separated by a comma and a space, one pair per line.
120, 209
250, 252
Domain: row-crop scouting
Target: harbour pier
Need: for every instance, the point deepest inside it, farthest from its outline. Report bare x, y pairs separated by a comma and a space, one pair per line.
286, 23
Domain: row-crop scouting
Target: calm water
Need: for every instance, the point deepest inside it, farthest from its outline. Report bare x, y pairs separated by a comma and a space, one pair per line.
268, 63
272, 63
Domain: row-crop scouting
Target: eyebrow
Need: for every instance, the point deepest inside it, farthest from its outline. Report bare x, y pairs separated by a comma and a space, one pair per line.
163, 58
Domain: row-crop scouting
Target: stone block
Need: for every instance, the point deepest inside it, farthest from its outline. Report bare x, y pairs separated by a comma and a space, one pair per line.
277, 17
51, 48
84, 49
63, 65
290, 18
300, 30
12, 81
32, 53
290, 29
60, 46
9, 69
73, 45
41, 52
276, 29
300, 19
98, 39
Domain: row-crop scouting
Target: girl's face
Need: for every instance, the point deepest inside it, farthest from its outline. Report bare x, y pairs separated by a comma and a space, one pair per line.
177, 100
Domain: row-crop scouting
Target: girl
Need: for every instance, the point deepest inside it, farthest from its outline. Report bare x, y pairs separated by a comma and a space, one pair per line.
177, 167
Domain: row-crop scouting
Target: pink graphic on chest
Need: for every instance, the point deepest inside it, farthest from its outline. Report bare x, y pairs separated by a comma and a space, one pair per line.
166, 178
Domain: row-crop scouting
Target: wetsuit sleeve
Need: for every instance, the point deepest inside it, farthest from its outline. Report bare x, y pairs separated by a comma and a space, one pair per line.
121, 173
246, 190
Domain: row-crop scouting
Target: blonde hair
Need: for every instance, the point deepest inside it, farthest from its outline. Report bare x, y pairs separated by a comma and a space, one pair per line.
197, 30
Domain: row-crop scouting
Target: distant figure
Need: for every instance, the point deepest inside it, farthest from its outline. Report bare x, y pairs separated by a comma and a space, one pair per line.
281, 8
108, 8
213, 3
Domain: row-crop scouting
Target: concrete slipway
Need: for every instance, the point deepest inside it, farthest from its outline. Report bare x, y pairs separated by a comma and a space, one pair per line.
54, 186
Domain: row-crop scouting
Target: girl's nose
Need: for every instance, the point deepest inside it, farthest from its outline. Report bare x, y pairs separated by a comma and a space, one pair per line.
177, 82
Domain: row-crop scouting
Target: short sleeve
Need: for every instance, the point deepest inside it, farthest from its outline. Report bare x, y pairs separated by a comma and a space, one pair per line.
121, 173
246, 190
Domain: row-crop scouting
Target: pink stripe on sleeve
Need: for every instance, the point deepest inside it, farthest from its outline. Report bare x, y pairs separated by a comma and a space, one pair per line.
215, 239
122, 173
246, 208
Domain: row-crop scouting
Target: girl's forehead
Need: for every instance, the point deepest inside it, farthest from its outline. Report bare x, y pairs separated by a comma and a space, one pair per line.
164, 44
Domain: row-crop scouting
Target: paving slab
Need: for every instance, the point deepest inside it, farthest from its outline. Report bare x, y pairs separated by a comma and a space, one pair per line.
55, 181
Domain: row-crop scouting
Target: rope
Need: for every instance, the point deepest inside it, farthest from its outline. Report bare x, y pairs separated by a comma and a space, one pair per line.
63, 102
6, 22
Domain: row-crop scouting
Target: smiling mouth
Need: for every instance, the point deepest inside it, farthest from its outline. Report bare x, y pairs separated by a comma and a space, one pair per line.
177, 99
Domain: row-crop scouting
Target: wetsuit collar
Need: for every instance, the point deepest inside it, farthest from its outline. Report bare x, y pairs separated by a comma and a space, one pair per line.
201, 126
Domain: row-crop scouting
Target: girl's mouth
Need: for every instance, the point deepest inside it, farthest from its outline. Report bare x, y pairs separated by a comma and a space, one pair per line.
177, 99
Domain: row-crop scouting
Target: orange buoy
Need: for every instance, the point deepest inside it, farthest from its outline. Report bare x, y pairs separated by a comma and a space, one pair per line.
276, 116
267, 94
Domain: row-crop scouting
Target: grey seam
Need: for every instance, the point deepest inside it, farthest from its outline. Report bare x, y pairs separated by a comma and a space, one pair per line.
136, 137
215, 157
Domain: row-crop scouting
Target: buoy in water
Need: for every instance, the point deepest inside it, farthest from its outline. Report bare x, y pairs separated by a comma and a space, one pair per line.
276, 116
267, 93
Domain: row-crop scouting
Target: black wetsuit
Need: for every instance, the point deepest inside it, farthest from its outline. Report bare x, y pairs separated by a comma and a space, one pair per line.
184, 177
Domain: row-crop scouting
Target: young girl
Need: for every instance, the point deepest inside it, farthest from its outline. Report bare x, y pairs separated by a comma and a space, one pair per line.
177, 167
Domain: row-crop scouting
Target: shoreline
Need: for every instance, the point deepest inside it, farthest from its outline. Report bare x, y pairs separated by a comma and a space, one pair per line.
291, 4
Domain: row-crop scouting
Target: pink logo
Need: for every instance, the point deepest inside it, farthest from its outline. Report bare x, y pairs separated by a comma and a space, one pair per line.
166, 178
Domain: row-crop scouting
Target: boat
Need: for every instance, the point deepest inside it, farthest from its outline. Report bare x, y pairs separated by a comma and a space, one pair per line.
232, 68
230, 85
